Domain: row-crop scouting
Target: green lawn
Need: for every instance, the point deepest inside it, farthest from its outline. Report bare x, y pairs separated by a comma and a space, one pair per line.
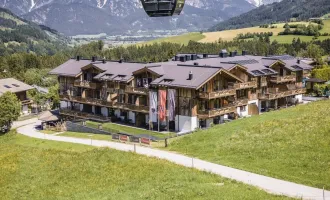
288, 38
86, 135
35, 169
181, 39
115, 128
291, 144
326, 27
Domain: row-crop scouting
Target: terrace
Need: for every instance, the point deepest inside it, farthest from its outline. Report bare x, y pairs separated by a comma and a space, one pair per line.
136, 90
276, 94
217, 111
86, 84
283, 79
217, 94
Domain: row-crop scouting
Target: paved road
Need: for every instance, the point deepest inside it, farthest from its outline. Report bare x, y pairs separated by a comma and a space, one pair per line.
17, 124
268, 184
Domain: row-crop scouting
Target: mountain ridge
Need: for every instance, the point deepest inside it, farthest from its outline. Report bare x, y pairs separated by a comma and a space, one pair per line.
285, 10
73, 17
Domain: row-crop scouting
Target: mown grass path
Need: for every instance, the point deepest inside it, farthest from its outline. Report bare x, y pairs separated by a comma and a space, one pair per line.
268, 184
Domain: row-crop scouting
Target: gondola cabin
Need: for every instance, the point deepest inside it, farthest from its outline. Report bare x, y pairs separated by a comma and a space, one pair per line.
163, 8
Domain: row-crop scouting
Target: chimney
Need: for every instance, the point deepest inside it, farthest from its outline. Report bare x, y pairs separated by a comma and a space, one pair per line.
78, 58
94, 58
223, 53
244, 53
190, 75
104, 61
205, 55
231, 54
298, 61
183, 58
188, 57
120, 61
193, 57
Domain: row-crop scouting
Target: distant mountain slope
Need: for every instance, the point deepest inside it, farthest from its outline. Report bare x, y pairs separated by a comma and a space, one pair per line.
20, 35
73, 17
282, 11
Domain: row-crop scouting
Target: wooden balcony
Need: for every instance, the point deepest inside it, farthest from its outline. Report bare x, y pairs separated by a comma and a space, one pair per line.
251, 84
137, 90
242, 102
86, 84
263, 82
278, 94
132, 107
203, 114
283, 79
91, 101
26, 101
217, 94
82, 115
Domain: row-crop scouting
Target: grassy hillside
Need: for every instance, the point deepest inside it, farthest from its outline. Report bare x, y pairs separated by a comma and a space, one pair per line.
276, 12
291, 144
181, 39
36, 169
229, 35
19, 35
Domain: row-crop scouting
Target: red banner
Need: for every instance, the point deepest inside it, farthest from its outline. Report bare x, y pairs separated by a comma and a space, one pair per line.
162, 105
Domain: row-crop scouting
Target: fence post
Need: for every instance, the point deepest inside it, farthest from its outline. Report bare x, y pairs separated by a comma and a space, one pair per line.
166, 144
323, 194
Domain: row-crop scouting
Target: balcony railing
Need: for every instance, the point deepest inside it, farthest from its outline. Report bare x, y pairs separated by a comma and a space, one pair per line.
132, 107
279, 94
242, 102
137, 90
250, 84
217, 94
83, 115
217, 111
86, 84
263, 82
92, 101
26, 101
283, 79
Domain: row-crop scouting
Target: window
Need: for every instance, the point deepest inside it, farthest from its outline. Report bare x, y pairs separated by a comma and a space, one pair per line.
242, 108
7, 86
121, 98
15, 85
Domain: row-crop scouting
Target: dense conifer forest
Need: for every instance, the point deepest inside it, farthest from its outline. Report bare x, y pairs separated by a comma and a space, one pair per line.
283, 11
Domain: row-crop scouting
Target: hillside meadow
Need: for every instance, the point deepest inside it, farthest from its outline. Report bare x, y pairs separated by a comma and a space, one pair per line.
291, 144
228, 35
37, 169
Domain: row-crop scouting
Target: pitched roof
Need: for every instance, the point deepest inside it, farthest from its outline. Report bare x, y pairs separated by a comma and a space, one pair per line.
177, 76
13, 85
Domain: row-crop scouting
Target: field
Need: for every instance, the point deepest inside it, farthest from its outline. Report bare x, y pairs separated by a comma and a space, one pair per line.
291, 144
181, 39
36, 169
229, 35
115, 128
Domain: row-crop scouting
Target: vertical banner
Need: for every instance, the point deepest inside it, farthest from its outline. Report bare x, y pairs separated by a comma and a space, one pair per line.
162, 105
153, 106
171, 104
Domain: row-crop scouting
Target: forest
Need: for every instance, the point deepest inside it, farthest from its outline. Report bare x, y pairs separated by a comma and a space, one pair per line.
32, 68
284, 11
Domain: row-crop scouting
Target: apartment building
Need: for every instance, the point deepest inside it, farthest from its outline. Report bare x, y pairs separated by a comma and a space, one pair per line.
190, 91
20, 90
